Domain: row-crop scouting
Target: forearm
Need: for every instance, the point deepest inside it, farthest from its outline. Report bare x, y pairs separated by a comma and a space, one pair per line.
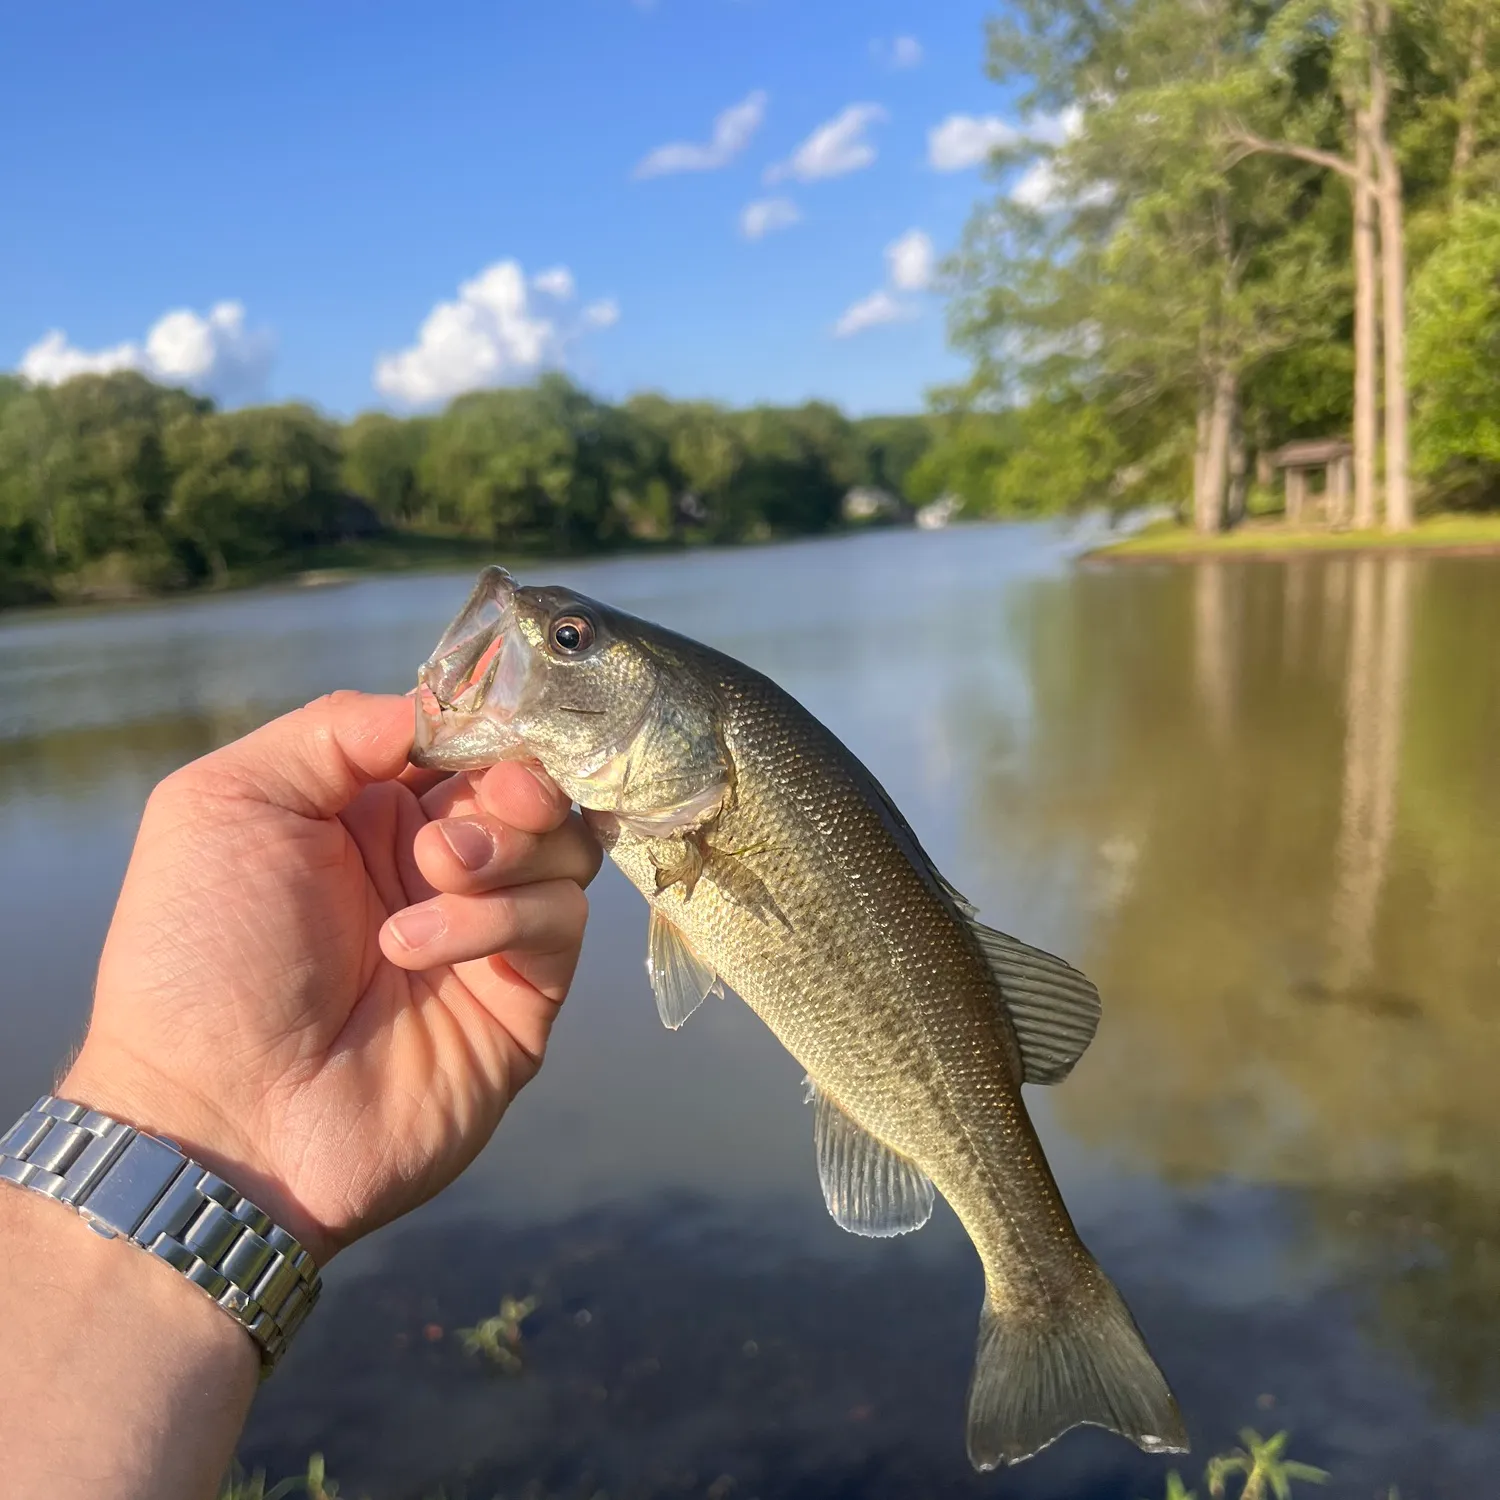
121, 1377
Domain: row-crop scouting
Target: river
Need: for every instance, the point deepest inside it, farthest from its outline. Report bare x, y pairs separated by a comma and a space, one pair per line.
1256, 801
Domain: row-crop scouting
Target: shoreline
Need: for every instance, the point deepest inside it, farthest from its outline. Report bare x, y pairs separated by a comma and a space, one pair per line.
1452, 535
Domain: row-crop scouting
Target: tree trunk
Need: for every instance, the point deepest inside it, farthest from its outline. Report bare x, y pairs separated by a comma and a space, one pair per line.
1200, 453
1239, 468
1366, 324
1398, 500
1210, 510
1468, 113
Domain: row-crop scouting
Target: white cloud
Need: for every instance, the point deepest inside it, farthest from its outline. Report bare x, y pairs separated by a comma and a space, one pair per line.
491, 334
911, 260
555, 281
1037, 185
834, 148
964, 141
906, 52
215, 354
732, 131
766, 215
52, 359
898, 52
878, 307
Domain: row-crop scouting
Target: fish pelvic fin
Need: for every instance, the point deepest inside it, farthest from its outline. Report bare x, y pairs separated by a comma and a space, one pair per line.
680, 979
1039, 1372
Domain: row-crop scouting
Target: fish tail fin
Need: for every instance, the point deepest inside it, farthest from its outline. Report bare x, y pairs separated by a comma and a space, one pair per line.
1084, 1360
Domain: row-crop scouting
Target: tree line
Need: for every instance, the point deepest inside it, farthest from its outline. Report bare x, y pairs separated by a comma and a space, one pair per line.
110, 483
1242, 222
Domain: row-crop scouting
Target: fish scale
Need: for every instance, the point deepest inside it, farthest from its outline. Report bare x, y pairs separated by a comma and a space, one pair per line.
774, 861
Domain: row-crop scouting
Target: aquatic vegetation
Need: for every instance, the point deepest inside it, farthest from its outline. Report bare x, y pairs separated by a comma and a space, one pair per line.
498, 1339
1177, 1490
315, 1484
1265, 1471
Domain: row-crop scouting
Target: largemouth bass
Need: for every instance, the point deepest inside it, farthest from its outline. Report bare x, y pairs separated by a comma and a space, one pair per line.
775, 864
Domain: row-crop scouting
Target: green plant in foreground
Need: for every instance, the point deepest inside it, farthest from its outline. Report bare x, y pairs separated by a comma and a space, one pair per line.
315, 1484
498, 1338
1176, 1489
1264, 1469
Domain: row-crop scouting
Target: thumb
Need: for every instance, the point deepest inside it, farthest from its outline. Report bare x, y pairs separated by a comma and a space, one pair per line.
315, 760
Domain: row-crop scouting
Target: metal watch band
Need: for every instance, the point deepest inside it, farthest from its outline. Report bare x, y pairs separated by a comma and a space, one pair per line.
125, 1182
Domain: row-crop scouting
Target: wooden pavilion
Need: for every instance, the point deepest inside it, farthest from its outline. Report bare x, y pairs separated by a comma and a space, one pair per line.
1334, 502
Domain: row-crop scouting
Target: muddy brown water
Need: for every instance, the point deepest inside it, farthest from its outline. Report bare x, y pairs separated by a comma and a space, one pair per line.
1256, 800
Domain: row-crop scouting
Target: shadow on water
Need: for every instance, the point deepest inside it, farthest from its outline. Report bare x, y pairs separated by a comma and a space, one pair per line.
1255, 801
676, 1348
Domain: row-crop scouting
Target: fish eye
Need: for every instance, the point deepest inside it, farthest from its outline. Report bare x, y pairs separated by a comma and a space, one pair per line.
572, 634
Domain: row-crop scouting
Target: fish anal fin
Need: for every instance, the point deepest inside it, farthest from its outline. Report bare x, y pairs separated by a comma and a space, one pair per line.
1040, 1371
869, 1189
1053, 1008
680, 980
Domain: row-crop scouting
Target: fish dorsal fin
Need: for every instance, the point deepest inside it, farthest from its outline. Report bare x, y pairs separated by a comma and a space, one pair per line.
679, 978
869, 1189
1053, 1008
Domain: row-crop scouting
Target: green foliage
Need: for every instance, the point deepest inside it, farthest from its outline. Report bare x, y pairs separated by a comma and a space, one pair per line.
1261, 1468
315, 1484
1455, 353
1156, 251
110, 485
498, 1339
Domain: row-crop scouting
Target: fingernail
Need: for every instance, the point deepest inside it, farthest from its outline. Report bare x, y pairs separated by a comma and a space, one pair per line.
471, 843
418, 926
553, 791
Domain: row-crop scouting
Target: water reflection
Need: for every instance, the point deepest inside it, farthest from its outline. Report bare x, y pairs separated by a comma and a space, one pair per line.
1277, 783
1256, 801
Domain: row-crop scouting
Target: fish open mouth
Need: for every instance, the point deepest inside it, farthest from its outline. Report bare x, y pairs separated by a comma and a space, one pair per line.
471, 685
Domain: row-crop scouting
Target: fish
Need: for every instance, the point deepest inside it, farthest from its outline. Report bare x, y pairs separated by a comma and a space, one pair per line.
776, 866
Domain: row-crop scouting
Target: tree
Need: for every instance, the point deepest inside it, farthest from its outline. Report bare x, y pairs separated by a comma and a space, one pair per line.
1128, 270
382, 462
1455, 344
1353, 39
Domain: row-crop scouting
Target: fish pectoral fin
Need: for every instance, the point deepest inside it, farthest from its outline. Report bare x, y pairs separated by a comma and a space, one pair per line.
1052, 1007
681, 864
869, 1189
741, 885
680, 979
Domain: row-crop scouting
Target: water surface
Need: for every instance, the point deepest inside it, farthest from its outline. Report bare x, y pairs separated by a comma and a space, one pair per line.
1256, 801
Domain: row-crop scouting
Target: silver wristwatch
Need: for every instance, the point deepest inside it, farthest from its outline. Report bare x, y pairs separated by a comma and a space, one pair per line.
125, 1182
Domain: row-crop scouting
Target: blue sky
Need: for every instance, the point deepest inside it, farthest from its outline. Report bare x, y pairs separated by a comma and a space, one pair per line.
303, 184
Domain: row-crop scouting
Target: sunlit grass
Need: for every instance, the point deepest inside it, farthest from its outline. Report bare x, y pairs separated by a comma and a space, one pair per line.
1168, 539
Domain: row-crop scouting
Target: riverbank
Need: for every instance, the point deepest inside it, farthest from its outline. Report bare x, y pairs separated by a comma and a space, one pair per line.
114, 580
1167, 541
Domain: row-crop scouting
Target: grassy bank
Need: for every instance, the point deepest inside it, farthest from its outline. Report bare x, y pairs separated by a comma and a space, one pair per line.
1271, 537
122, 578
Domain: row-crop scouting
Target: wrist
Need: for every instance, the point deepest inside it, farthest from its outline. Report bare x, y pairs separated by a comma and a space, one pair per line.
116, 1086
139, 1384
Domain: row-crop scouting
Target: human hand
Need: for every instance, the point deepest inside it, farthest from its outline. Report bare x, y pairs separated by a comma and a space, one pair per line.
328, 974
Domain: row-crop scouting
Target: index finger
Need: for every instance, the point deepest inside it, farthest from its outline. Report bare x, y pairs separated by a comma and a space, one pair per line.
315, 760
521, 794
